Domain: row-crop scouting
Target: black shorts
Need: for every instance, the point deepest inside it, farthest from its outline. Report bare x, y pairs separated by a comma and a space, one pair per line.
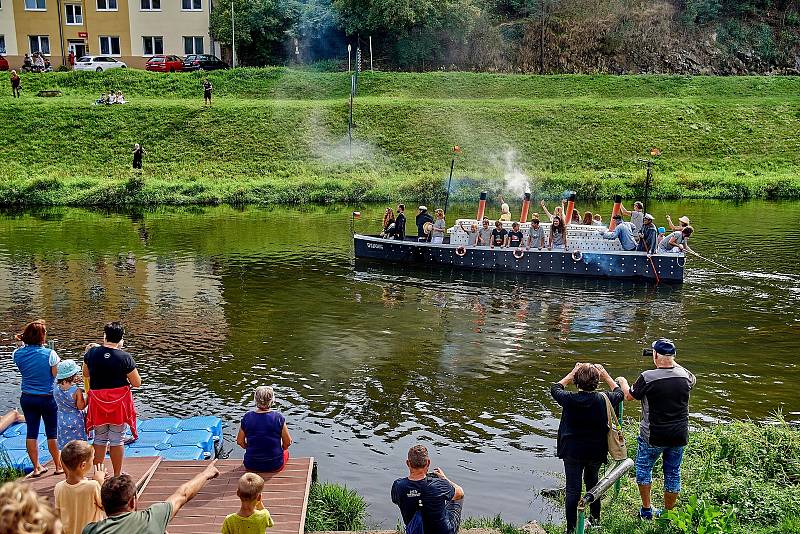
37, 408
207, 95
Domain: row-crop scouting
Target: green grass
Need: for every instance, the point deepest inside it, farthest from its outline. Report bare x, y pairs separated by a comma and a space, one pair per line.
333, 507
7, 471
278, 135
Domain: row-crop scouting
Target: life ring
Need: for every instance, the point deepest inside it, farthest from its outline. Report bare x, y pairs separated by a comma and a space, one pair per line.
461, 251
427, 227
518, 253
577, 255
681, 261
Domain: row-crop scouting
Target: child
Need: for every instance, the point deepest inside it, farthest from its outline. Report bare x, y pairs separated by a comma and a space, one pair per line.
21, 508
77, 500
597, 220
472, 234
661, 232
70, 400
252, 517
505, 211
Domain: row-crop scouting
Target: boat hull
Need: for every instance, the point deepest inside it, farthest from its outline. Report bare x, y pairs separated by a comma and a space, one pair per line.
631, 265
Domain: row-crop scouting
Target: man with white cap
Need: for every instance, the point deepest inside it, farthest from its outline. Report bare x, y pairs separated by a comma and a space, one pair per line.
684, 220
423, 217
648, 235
664, 429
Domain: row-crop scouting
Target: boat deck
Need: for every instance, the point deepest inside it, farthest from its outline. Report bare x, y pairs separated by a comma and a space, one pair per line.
285, 493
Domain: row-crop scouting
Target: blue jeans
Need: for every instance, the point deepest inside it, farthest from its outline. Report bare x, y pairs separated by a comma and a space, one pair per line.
646, 457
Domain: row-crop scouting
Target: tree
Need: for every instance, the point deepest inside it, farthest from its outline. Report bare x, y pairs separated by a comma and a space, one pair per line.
261, 27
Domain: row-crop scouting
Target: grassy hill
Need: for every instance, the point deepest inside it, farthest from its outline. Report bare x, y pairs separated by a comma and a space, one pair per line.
279, 135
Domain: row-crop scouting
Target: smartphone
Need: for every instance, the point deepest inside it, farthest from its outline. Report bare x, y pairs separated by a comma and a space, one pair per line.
647, 353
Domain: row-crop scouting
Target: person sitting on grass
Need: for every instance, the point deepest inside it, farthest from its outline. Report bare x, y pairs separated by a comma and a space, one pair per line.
119, 502
121, 98
112, 98
252, 517
431, 502
102, 100
77, 500
264, 435
71, 400
23, 511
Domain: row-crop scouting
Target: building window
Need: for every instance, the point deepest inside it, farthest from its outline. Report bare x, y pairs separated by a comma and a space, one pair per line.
74, 14
39, 43
109, 46
2, 44
151, 5
106, 5
192, 45
192, 5
152, 45
37, 5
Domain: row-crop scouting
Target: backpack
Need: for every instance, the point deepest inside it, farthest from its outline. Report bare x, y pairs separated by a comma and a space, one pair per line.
616, 437
415, 525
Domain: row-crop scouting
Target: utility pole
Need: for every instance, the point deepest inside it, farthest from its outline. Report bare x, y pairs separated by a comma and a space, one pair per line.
233, 36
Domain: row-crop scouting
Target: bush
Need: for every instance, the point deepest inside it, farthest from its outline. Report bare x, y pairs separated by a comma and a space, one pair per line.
333, 507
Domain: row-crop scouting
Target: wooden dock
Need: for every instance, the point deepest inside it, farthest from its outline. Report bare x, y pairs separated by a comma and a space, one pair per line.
285, 493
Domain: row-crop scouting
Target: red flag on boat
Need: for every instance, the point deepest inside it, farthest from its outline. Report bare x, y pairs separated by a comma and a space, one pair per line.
457, 149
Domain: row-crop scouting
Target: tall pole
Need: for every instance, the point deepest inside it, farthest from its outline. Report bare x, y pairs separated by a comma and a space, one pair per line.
371, 68
647, 184
449, 180
233, 36
349, 50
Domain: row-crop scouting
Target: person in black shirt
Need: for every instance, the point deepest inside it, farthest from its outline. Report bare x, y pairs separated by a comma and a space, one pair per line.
436, 499
423, 217
499, 235
207, 89
400, 223
514, 236
664, 429
583, 432
138, 152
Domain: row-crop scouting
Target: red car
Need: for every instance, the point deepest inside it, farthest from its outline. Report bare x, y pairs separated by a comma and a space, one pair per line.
164, 64
3, 63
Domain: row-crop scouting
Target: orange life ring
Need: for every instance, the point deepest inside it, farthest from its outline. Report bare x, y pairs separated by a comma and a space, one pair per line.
461, 251
518, 253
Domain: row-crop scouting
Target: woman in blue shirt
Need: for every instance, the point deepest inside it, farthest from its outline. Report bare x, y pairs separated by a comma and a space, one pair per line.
38, 366
264, 435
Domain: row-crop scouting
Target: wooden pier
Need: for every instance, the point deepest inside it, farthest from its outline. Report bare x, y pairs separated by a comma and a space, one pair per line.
285, 493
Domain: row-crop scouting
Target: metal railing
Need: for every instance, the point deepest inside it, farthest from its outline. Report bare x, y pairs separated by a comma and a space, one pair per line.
611, 477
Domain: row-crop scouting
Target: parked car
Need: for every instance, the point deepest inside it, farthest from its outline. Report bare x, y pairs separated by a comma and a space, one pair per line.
203, 62
3, 63
163, 63
98, 63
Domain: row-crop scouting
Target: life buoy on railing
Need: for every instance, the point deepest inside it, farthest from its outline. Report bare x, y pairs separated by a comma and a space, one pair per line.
577, 255
681, 261
518, 253
461, 251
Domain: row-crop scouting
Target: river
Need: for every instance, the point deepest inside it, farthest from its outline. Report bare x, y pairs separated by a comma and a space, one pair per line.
368, 359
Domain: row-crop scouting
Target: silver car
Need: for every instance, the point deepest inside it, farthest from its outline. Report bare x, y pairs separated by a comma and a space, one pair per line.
98, 63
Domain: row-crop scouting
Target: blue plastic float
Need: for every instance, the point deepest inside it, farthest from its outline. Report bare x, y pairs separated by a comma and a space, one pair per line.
169, 437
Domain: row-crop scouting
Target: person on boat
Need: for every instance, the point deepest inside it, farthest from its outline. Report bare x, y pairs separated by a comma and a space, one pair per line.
472, 234
535, 233
576, 217
558, 235
439, 227
676, 242
514, 238
661, 232
597, 220
622, 231
38, 366
557, 212
428, 503
583, 432
388, 222
499, 235
423, 217
111, 373
119, 502
399, 230
264, 435
484, 233
587, 218
664, 429
683, 220
648, 235
505, 211
637, 215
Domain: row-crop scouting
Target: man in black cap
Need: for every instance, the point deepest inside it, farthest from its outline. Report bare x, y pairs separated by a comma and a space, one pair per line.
423, 217
664, 429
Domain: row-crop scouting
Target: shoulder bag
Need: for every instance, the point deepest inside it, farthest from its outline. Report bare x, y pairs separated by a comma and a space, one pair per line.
617, 447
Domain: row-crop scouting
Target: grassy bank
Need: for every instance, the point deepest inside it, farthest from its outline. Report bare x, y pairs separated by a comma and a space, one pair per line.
278, 135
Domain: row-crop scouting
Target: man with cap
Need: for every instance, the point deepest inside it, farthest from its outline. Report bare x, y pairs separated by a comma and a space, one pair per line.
423, 217
684, 220
648, 235
622, 231
664, 429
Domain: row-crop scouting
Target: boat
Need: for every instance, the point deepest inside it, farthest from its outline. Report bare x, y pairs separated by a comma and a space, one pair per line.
589, 254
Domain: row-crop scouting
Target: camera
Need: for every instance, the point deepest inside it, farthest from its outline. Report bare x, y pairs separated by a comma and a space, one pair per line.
647, 353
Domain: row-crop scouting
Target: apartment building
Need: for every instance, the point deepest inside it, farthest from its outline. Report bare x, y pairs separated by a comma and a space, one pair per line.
130, 30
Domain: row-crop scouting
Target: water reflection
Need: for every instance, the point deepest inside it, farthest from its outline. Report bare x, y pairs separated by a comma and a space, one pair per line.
369, 358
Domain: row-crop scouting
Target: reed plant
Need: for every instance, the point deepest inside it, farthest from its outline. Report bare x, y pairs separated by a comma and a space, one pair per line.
334, 507
8, 471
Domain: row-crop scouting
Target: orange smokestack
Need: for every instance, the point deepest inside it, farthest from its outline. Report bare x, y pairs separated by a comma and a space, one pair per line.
615, 210
481, 206
526, 203
570, 207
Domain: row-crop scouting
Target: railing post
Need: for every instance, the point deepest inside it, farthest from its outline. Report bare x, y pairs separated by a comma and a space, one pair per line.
618, 483
581, 526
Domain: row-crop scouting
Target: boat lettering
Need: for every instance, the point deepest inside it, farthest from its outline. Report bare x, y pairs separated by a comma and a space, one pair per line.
375, 245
